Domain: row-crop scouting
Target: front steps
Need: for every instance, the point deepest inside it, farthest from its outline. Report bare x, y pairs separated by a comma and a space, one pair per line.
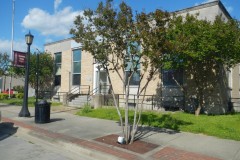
79, 101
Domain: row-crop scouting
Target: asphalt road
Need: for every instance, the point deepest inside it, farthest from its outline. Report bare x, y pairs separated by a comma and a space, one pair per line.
17, 144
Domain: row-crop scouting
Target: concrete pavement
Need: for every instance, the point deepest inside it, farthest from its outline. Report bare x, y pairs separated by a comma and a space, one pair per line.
78, 134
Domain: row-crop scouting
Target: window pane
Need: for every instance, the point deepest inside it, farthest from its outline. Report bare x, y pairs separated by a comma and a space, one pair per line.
135, 79
57, 80
76, 67
58, 57
77, 55
58, 69
168, 76
76, 79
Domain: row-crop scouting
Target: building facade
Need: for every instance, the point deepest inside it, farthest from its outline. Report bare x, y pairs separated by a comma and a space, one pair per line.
76, 70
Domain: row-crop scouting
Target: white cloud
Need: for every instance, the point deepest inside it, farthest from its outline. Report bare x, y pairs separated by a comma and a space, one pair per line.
48, 40
56, 4
208, 1
229, 9
5, 46
57, 24
19, 45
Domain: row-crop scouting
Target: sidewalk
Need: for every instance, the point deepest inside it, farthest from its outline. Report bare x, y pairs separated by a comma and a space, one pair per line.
86, 136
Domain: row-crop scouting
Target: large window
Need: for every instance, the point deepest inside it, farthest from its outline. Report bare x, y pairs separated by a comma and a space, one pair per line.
76, 67
133, 64
171, 76
58, 63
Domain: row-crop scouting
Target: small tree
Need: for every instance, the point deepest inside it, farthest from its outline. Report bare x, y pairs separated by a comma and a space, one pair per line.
202, 48
4, 64
126, 45
46, 71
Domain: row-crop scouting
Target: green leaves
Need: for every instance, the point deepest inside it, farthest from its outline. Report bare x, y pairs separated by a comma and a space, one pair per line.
4, 64
46, 71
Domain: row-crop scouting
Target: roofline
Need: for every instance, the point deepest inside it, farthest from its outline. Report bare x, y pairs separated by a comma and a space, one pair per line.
204, 5
67, 39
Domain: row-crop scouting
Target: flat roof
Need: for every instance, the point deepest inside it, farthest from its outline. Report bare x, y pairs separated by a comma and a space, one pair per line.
67, 39
205, 5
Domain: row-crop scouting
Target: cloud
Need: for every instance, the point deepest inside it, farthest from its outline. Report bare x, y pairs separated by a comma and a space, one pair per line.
229, 9
57, 24
208, 1
19, 45
48, 40
5, 46
56, 4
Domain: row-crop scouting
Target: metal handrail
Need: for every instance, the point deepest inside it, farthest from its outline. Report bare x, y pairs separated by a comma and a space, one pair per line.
77, 91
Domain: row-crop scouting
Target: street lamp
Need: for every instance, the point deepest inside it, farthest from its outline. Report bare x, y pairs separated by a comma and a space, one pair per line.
24, 111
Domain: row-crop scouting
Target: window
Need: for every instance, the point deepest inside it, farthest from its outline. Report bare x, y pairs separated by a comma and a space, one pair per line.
133, 65
76, 67
170, 75
135, 77
58, 63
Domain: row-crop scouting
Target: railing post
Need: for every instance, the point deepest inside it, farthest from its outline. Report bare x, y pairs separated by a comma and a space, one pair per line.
134, 100
152, 102
88, 90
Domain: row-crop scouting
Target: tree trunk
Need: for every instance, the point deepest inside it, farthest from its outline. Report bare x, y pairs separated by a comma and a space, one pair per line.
197, 111
200, 103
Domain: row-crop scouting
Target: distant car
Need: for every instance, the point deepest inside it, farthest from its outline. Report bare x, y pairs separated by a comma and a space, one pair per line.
7, 91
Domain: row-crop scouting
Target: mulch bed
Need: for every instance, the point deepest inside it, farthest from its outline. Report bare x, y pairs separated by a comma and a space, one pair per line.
138, 146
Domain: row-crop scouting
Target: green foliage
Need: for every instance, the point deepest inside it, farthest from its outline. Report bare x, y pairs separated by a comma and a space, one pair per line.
20, 95
4, 63
86, 109
3, 96
210, 125
200, 41
202, 48
46, 71
19, 89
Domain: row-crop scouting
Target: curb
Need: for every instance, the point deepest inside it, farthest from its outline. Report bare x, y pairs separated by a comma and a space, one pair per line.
76, 145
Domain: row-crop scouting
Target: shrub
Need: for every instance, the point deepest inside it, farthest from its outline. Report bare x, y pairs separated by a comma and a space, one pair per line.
19, 95
86, 109
3, 96
19, 89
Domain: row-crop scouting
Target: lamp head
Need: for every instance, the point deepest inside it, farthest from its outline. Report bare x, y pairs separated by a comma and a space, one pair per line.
29, 38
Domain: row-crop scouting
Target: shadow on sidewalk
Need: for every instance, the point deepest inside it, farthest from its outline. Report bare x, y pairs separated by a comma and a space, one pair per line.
7, 129
56, 119
146, 131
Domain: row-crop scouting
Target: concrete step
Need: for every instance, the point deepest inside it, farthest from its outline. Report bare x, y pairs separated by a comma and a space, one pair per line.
81, 98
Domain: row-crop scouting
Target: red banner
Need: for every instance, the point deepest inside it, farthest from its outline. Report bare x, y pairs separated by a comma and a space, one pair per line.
19, 59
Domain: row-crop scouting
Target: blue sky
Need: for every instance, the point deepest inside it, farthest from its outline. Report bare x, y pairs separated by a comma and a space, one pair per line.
50, 20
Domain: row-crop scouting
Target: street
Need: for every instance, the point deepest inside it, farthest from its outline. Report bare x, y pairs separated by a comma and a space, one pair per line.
17, 144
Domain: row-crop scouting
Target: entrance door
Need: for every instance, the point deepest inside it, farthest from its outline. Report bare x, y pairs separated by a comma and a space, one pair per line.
102, 83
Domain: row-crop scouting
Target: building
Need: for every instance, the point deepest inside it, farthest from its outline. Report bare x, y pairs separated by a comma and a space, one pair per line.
77, 73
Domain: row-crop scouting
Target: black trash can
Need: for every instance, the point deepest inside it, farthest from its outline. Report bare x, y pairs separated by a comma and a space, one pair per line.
42, 112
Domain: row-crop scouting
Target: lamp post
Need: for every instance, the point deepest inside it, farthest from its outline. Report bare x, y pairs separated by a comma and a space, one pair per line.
24, 111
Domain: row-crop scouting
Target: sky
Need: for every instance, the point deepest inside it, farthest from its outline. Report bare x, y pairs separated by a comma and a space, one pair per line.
51, 20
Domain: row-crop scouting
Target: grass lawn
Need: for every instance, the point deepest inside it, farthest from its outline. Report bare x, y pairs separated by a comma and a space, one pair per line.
19, 102
222, 126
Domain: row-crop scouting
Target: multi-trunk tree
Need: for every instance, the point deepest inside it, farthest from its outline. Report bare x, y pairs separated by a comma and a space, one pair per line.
130, 45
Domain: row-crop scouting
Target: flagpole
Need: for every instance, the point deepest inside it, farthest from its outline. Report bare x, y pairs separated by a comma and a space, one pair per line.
11, 55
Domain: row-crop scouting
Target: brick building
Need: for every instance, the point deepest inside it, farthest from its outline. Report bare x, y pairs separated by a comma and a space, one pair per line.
75, 68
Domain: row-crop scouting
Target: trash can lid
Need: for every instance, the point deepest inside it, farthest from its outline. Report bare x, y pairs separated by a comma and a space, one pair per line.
42, 102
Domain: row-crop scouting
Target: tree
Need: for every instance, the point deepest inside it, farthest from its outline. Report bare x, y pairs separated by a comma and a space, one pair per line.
46, 71
125, 44
4, 64
202, 48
